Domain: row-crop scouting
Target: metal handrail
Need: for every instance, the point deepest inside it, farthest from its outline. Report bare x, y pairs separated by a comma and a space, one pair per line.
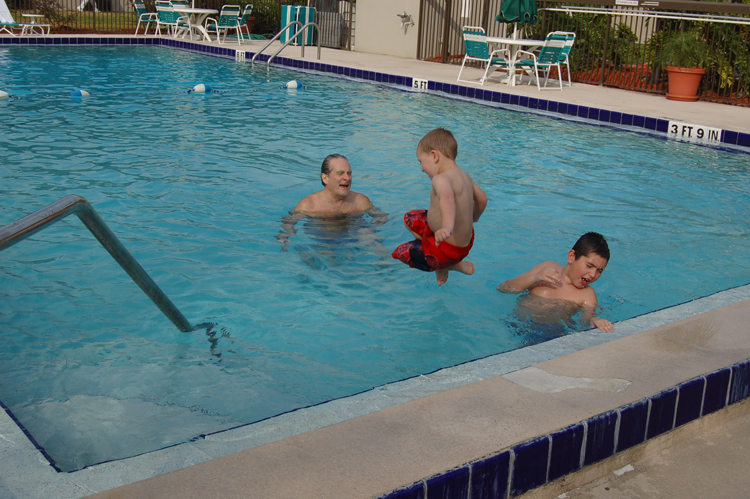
278, 35
30, 224
302, 30
652, 14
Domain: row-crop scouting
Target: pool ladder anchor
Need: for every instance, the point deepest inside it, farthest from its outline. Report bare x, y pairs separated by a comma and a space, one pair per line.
27, 226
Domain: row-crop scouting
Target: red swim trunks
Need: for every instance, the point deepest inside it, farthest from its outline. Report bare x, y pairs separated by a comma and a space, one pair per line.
426, 254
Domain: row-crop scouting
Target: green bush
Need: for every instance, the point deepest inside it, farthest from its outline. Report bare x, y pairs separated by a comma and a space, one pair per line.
685, 50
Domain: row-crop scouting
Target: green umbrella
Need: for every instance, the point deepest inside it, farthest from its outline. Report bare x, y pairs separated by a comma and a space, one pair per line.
518, 11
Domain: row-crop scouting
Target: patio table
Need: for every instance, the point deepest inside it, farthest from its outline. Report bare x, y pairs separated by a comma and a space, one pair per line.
515, 44
195, 18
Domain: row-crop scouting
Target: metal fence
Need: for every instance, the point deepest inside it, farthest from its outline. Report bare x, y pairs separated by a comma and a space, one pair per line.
335, 17
615, 45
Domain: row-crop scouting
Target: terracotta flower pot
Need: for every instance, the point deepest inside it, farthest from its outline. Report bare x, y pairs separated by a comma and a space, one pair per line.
683, 83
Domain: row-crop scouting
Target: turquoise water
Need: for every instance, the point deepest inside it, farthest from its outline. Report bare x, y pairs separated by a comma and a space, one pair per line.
197, 187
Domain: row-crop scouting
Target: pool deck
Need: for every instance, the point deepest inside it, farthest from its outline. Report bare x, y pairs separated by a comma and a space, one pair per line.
414, 440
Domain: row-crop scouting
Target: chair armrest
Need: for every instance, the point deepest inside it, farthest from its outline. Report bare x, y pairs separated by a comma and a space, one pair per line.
532, 54
209, 20
501, 51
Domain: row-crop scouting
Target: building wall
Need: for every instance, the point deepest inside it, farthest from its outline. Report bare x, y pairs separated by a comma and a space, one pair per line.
379, 28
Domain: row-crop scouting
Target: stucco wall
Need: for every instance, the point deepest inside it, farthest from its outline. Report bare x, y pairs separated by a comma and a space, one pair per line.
379, 28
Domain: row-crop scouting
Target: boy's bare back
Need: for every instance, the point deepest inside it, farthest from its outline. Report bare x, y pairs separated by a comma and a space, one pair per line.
453, 187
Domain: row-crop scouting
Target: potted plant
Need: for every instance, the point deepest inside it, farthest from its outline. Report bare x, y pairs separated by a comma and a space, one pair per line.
684, 56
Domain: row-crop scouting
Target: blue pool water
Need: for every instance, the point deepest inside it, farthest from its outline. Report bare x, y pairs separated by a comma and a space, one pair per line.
197, 187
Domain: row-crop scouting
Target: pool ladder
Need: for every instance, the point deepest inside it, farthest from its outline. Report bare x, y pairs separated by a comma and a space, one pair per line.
30, 224
302, 30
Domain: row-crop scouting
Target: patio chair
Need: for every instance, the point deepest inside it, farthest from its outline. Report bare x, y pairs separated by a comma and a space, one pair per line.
570, 38
144, 16
166, 16
477, 49
10, 26
549, 57
245, 17
229, 18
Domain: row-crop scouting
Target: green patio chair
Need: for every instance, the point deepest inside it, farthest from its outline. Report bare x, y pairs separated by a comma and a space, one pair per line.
167, 17
549, 57
229, 18
477, 49
245, 17
144, 16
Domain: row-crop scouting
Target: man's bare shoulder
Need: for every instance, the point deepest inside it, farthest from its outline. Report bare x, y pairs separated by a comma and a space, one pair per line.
308, 203
362, 202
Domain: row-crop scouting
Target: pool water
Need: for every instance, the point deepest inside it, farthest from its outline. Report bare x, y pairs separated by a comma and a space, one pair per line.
199, 187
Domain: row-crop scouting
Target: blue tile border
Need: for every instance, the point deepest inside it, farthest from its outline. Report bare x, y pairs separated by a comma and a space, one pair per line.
536, 462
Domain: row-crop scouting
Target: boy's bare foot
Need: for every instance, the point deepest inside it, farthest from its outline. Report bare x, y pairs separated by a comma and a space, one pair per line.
442, 276
464, 267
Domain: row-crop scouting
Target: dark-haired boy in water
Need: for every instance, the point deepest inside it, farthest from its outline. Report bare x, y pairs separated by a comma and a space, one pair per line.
445, 232
572, 283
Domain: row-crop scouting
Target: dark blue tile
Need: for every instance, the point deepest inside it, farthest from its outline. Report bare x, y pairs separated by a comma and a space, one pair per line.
523, 101
360, 73
627, 119
730, 137
401, 80
600, 437
514, 99
689, 402
633, 418
414, 491
572, 110
604, 115
479, 93
638, 121
717, 386
434, 85
553, 106
661, 415
593, 113
740, 389
454, 89
662, 125
743, 139
453, 484
489, 477
530, 466
583, 112
504, 98
565, 457
533, 103
464, 91
650, 124
615, 117
542, 104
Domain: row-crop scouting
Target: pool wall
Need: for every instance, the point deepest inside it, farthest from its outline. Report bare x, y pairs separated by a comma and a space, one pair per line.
633, 122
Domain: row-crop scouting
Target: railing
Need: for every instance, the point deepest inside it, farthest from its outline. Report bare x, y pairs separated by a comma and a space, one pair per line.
302, 32
615, 46
27, 226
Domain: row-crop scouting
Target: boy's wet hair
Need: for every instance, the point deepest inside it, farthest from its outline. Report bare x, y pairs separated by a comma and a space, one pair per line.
326, 166
591, 242
441, 140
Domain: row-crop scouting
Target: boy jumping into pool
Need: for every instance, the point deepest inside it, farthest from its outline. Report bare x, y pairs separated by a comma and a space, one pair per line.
444, 232
572, 283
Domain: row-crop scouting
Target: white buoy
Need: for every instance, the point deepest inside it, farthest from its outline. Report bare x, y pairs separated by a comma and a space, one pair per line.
201, 89
293, 84
3, 94
79, 93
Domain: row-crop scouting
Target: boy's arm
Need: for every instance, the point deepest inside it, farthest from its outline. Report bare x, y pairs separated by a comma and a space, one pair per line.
589, 314
544, 274
444, 190
480, 201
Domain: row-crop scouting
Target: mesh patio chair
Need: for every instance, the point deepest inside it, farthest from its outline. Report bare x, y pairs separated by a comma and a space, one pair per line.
478, 49
145, 17
229, 18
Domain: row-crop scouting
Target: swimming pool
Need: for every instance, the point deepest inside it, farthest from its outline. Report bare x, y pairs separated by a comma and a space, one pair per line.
197, 186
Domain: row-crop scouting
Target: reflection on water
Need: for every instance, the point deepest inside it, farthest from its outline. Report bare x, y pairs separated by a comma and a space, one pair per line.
536, 319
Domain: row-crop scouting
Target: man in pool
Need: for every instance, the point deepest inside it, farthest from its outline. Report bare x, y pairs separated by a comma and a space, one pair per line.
570, 284
445, 232
336, 196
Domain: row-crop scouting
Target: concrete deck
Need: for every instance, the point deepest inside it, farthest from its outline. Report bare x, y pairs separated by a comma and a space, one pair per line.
379, 452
